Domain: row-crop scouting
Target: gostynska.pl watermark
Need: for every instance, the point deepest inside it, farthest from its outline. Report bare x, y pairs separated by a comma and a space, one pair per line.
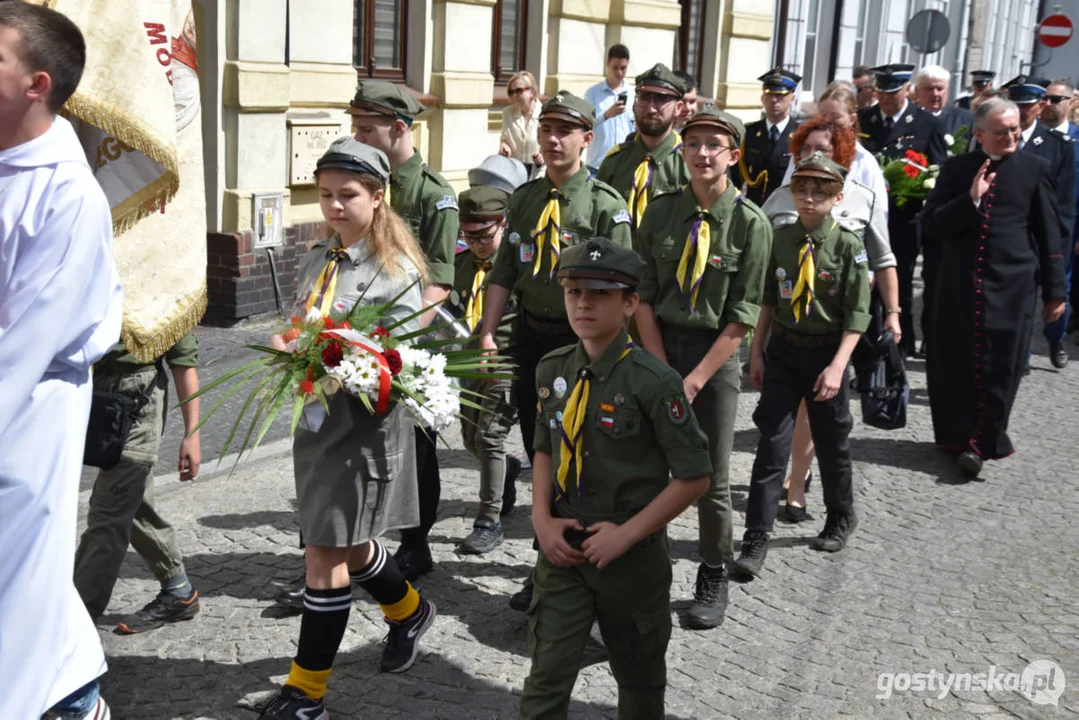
1041, 682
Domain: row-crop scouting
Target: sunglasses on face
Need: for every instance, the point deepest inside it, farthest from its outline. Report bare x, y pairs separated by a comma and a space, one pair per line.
657, 99
1057, 99
517, 91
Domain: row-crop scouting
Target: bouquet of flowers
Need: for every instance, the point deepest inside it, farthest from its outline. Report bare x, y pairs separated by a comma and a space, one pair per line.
958, 141
910, 177
347, 351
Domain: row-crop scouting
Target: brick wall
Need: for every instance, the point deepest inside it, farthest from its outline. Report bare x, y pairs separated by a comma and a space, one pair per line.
238, 279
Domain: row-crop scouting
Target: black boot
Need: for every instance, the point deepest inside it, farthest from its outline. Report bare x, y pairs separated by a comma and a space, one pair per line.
710, 597
509, 489
414, 559
836, 532
754, 549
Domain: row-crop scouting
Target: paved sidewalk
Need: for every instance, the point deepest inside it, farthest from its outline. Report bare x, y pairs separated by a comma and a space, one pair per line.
942, 576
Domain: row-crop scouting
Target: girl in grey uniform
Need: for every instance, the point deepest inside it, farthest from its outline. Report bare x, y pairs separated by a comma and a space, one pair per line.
355, 472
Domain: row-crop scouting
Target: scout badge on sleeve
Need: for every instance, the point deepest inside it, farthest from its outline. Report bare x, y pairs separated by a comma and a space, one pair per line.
676, 409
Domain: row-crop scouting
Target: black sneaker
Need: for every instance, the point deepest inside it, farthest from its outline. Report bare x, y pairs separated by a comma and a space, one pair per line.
292, 704
486, 536
837, 528
509, 490
522, 599
709, 606
163, 609
414, 560
754, 549
403, 640
292, 596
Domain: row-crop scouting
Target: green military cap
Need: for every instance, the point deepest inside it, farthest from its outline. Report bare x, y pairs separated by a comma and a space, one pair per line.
347, 153
661, 77
711, 114
378, 97
602, 264
482, 203
567, 106
819, 166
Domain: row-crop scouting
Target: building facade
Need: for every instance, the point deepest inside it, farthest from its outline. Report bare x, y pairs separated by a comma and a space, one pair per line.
277, 75
824, 40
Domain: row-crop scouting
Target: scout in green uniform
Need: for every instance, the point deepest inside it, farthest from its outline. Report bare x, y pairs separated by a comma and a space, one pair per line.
562, 209
483, 220
816, 306
707, 250
122, 502
650, 162
382, 115
615, 427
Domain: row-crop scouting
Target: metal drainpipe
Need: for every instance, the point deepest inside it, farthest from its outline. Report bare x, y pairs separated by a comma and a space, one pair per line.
961, 52
833, 54
781, 33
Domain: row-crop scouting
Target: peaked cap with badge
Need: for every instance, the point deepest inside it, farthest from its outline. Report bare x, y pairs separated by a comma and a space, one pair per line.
1024, 90
891, 78
766, 154
379, 97
819, 166
481, 203
602, 264
567, 106
982, 77
661, 77
710, 114
778, 81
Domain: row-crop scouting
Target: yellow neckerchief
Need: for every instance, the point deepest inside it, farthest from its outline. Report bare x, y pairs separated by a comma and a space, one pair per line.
321, 297
642, 183
573, 423
548, 228
474, 309
807, 272
698, 246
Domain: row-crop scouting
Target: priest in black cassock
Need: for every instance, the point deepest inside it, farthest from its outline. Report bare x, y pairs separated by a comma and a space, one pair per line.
994, 213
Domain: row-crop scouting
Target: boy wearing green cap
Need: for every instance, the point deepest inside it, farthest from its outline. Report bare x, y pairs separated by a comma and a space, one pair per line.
614, 427
650, 161
816, 306
707, 250
382, 115
546, 216
483, 220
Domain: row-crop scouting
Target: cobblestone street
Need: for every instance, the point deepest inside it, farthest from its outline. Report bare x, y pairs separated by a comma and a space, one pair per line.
942, 576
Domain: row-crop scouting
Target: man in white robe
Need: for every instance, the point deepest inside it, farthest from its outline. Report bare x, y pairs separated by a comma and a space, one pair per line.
60, 310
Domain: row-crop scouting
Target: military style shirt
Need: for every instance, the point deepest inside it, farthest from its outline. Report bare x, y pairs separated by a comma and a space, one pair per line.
428, 206
669, 167
639, 430
738, 257
589, 208
841, 290
363, 275
467, 265
185, 353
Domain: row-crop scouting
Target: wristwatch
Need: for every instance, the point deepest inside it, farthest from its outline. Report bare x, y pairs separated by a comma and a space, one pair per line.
893, 311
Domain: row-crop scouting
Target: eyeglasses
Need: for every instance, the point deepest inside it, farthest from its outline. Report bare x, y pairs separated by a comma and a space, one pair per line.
1057, 99
657, 99
1005, 132
816, 194
808, 150
517, 91
711, 148
484, 238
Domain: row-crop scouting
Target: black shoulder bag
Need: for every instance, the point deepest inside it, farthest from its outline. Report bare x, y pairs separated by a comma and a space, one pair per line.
112, 415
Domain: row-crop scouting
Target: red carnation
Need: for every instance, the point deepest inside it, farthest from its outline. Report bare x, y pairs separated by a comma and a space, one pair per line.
332, 355
307, 387
380, 332
911, 171
393, 359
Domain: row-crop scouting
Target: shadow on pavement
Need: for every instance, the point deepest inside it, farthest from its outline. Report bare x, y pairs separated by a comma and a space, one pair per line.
286, 521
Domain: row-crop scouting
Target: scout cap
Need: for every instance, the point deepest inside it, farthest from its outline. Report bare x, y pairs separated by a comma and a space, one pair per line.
710, 114
892, 78
662, 78
497, 171
347, 153
378, 97
818, 166
602, 264
1023, 90
482, 204
982, 77
567, 106
778, 81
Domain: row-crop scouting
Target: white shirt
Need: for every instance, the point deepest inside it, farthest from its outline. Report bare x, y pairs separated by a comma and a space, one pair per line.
608, 132
898, 116
60, 311
1024, 137
781, 125
520, 132
1062, 128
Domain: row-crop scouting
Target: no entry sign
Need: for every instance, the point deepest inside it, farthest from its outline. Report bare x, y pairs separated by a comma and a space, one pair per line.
1055, 30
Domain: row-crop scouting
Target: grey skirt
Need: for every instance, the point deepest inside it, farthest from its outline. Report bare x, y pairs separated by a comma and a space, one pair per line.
356, 476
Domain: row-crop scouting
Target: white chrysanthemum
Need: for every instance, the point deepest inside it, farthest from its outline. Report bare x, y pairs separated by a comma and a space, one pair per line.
929, 183
949, 140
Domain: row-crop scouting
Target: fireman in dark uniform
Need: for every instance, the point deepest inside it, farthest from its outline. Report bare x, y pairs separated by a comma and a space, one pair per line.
980, 82
766, 147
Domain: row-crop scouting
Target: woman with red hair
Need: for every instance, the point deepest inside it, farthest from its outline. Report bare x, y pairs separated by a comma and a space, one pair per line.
861, 210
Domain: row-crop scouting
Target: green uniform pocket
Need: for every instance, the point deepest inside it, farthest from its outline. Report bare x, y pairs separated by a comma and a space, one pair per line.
620, 424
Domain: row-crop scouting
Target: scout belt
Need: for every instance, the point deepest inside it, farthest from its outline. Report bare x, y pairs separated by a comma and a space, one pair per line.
547, 326
806, 341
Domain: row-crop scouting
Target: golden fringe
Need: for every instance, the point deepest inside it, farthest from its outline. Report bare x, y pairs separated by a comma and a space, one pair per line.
129, 131
744, 171
148, 349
